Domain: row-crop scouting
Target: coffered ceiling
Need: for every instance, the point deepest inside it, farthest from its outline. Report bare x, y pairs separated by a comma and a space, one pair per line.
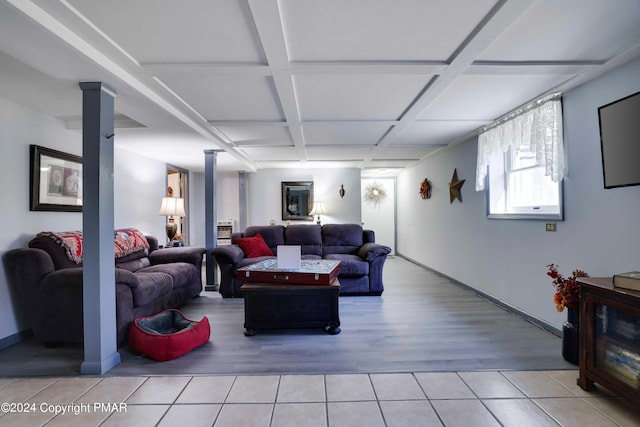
373, 84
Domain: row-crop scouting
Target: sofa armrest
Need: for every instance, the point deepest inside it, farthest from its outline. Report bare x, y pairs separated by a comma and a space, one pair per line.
126, 277
27, 266
67, 278
228, 254
370, 251
188, 254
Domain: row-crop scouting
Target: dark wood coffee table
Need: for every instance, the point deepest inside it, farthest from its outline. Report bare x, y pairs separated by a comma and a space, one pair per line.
285, 305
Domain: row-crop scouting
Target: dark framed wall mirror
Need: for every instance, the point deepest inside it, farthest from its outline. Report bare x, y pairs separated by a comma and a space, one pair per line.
297, 200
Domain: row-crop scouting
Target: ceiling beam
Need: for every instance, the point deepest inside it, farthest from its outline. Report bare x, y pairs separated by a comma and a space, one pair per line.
268, 22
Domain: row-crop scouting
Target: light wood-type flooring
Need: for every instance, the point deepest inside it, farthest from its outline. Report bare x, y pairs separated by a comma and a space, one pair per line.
422, 323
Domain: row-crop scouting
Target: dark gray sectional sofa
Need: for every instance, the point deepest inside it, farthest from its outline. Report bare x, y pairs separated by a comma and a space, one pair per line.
48, 286
362, 258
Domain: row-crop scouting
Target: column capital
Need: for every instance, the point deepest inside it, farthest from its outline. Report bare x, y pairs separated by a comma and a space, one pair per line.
89, 86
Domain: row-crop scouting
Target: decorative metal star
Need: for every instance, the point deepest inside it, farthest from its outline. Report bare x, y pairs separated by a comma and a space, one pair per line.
454, 187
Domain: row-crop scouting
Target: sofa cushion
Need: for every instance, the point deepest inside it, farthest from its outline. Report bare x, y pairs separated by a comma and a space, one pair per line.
254, 247
352, 265
150, 286
341, 238
182, 274
308, 237
134, 262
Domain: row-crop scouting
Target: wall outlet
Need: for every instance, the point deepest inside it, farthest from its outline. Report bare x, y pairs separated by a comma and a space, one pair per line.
550, 226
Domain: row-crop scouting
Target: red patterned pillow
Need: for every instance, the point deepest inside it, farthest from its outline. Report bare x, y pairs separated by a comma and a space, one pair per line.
254, 247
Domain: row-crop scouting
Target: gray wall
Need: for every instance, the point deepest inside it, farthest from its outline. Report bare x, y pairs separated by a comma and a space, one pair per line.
139, 185
19, 127
265, 196
507, 259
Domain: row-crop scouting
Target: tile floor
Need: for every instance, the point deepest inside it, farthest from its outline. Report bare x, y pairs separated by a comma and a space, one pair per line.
488, 398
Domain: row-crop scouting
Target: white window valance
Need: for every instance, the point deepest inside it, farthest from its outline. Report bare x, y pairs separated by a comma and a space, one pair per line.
537, 125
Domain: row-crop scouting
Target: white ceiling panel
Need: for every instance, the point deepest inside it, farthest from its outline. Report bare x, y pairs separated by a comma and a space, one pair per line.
35, 47
486, 97
428, 132
389, 164
28, 86
325, 164
169, 31
257, 135
227, 97
271, 153
335, 133
569, 30
359, 30
402, 153
160, 144
356, 97
337, 153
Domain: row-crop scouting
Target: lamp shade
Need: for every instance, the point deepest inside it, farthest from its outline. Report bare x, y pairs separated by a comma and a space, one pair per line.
318, 209
172, 206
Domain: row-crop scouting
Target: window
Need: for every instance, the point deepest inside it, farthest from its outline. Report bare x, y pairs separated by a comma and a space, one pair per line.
521, 162
519, 189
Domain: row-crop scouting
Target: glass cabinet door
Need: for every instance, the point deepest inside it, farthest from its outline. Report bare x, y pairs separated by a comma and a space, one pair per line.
617, 344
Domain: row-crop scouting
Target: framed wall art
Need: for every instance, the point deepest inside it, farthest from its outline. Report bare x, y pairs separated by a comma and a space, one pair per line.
297, 200
55, 180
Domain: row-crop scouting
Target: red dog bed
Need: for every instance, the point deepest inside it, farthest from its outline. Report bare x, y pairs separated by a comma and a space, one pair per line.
168, 335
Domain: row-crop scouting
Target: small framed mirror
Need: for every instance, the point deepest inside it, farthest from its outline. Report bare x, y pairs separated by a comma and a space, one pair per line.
297, 200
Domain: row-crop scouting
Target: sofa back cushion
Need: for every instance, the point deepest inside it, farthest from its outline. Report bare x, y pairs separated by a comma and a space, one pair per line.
341, 238
368, 236
66, 248
308, 237
273, 235
63, 255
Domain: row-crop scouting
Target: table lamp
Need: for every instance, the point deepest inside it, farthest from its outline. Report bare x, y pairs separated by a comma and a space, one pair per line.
318, 208
172, 206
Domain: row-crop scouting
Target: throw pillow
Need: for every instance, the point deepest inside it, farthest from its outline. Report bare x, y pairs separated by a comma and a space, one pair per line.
254, 247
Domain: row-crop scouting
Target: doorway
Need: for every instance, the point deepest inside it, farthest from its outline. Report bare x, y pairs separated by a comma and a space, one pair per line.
379, 209
177, 186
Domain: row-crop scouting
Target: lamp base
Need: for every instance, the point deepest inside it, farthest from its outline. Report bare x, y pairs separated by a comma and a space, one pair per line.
172, 229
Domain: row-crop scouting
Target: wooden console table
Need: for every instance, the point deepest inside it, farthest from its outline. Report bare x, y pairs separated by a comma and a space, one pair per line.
609, 337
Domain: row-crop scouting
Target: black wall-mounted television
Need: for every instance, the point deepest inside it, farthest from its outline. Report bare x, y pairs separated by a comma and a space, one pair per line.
620, 141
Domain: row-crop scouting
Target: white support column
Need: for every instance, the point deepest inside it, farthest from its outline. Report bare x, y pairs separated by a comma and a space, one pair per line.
99, 288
